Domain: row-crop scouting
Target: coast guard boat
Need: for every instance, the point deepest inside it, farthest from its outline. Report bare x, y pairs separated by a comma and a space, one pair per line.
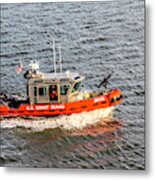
53, 94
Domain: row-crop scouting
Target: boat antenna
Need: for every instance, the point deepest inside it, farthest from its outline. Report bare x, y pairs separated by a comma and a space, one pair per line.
60, 60
54, 57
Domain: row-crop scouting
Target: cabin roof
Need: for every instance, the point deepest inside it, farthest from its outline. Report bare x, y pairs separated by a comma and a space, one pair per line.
60, 76
56, 76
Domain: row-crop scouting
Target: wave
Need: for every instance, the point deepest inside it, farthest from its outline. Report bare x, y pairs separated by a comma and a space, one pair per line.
71, 122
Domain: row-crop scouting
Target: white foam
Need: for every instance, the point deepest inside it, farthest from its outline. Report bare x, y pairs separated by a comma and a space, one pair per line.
74, 121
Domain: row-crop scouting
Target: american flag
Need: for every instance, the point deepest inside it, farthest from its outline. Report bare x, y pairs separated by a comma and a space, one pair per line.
19, 68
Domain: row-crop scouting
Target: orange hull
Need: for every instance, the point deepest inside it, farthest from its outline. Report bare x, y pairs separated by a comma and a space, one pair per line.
104, 101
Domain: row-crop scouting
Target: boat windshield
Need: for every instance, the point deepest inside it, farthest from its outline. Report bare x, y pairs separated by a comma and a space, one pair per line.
76, 86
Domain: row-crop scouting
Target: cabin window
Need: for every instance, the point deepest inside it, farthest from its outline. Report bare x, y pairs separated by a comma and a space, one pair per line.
76, 86
27, 90
64, 89
53, 92
42, 91
35, 91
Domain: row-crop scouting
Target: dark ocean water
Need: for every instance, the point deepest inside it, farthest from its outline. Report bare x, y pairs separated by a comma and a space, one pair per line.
97, 38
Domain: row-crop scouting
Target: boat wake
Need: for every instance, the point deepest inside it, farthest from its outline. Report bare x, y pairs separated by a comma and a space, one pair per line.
71, 122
